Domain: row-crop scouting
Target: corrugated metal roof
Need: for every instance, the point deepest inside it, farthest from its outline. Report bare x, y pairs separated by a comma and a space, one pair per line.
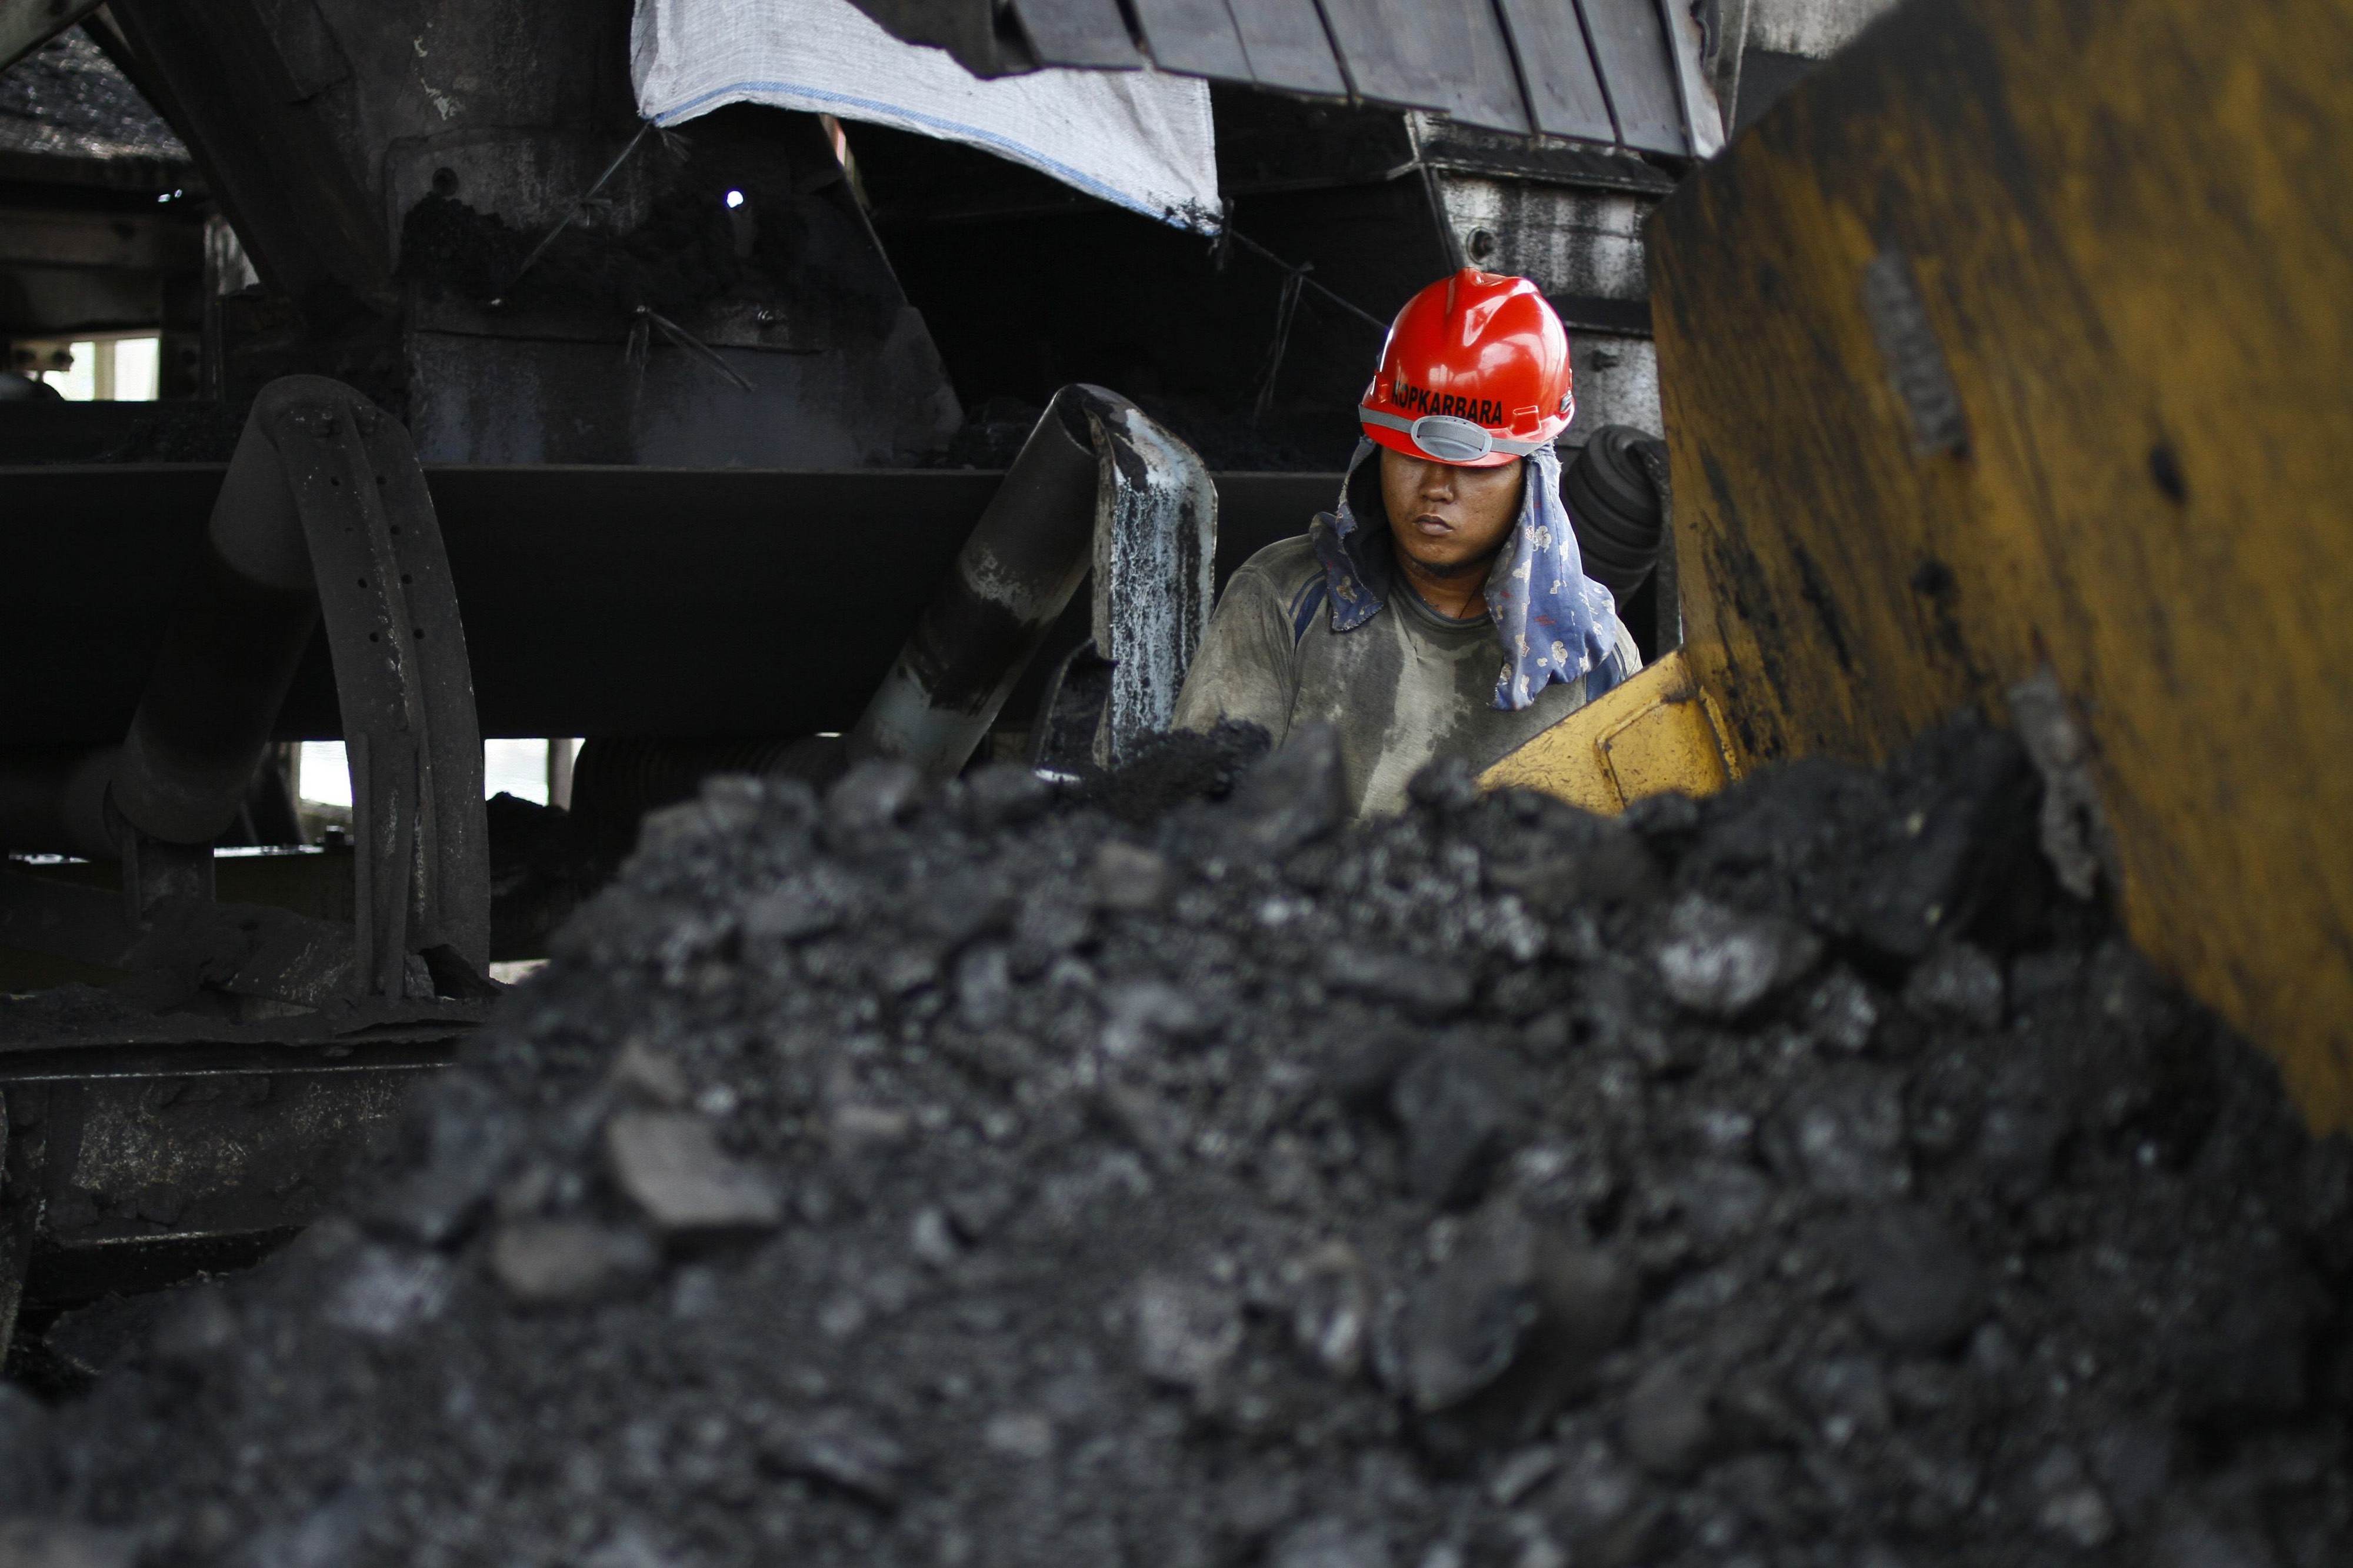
66, 100
1616, 72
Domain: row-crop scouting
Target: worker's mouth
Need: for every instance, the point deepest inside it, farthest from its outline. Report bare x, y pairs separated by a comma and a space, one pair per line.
1430, 525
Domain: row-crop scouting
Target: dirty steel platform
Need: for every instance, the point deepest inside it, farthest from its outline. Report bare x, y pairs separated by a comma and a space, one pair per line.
142, 1150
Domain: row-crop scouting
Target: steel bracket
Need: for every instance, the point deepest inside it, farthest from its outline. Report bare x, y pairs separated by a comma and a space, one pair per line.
401, 679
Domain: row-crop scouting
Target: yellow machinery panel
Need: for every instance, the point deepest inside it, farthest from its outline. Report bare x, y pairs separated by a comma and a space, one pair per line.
2019, 338
1654, 734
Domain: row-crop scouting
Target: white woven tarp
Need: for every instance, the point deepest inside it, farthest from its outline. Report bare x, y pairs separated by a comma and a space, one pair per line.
1135, 138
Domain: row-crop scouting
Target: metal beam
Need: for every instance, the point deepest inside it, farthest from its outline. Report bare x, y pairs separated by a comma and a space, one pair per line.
596, 601
145, 1153
31, 238
217, 72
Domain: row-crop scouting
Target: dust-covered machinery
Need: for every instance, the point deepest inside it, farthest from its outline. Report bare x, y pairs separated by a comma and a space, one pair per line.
731, 427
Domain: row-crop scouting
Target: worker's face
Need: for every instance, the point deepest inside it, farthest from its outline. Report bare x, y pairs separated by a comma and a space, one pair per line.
1448, 519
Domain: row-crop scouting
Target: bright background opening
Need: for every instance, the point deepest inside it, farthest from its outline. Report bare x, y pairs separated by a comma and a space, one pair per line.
518, 768
102, 370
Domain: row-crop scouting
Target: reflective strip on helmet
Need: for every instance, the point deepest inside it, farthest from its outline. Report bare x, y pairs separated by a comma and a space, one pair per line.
1447, 438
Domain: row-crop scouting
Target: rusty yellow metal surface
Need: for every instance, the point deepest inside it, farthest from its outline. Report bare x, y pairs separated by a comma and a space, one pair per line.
2021, 337
1654, 734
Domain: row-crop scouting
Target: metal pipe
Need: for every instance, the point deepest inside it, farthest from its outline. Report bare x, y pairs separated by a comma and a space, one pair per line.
212, 696
204, 721
1025, 558
53, 801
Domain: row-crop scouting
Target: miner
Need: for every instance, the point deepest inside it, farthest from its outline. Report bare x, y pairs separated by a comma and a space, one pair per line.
1441, 609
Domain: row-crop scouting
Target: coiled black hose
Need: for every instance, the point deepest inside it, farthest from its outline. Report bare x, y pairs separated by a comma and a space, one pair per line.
1614, 489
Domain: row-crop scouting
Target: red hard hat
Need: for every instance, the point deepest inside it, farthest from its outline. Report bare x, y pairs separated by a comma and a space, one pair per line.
1475, 373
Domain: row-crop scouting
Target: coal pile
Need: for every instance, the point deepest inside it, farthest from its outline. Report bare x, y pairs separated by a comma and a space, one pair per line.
1792, 1179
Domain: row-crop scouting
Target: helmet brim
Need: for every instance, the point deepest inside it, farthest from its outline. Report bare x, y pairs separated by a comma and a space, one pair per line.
1402, 443
1397, 441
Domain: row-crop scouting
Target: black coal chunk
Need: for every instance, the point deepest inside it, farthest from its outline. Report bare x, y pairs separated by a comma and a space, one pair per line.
1455, 1105
1915, 1285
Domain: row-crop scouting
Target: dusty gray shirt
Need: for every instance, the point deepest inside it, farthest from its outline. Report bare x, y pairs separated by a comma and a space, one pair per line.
1407, 686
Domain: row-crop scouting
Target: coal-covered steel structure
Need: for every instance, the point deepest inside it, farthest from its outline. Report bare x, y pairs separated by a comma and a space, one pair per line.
699, 465
147, 1147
